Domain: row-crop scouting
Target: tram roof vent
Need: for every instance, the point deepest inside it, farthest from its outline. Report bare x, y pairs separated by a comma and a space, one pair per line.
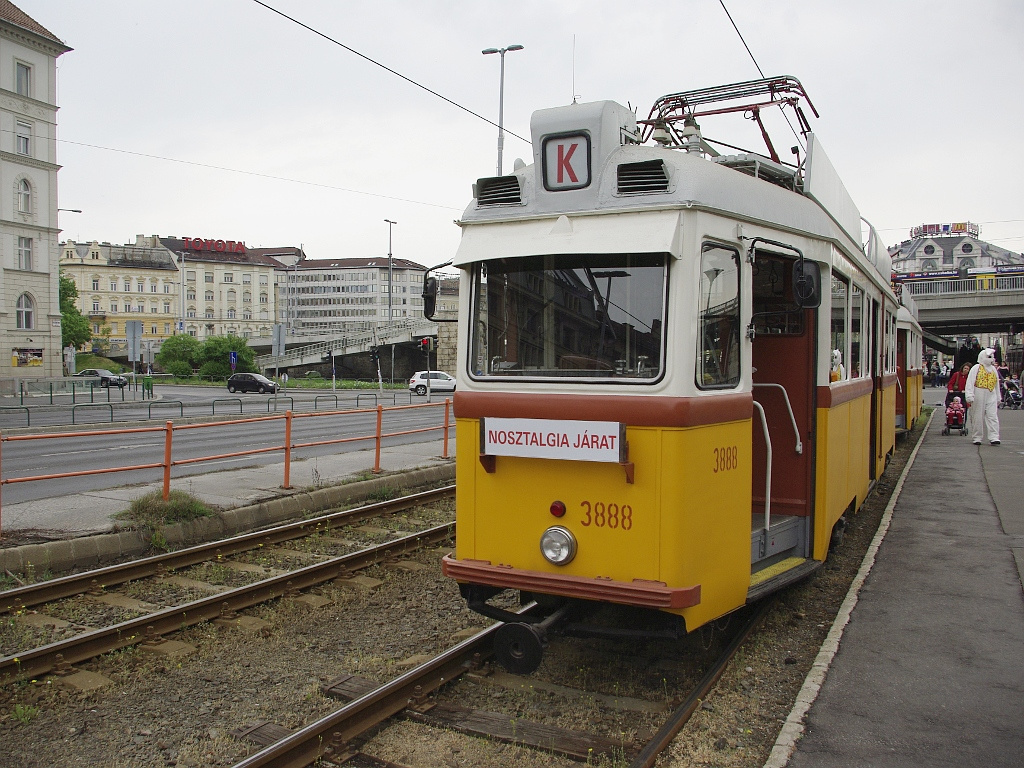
763, 168
498, 190
642, 178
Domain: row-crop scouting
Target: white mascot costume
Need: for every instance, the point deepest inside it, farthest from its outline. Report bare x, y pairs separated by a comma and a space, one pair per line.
837, 372
983, 394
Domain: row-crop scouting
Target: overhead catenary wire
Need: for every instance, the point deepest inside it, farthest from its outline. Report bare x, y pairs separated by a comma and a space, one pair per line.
387, 68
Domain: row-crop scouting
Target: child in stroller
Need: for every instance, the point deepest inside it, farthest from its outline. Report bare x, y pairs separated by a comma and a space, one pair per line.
956, 417
1011, 393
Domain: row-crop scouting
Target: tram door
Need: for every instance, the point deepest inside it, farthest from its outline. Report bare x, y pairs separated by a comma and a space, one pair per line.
784, 359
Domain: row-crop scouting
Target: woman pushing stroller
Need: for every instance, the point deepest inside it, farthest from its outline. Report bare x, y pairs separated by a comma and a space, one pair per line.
957, 385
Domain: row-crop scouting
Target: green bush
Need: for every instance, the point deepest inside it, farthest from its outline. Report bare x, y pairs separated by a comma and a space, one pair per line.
215, 369
179, 369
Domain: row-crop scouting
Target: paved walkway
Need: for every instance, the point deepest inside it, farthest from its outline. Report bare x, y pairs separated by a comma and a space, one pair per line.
90, 512
929, 669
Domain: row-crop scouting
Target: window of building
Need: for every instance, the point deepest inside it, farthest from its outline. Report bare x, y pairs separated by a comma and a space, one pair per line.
966, 247
167, 307
247, 314
152, 287
208, 277
190, 276
232, 297
231, 313
24, 196
23, 138
263, 279
190, 312
263, 298
209, 313
191, 294
208, 296
25, 312
25, 253
167, 329
228, 277
95, 327
95, 305
95, 283
247, 298
153, 309
929, 250
113, 328
23, 79
113, 285
141, 285
113, 308
246, 278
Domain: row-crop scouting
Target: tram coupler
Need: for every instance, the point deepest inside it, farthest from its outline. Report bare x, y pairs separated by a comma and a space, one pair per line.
476, 597
519, 647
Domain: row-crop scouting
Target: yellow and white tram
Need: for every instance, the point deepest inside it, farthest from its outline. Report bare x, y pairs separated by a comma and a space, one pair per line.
677, 368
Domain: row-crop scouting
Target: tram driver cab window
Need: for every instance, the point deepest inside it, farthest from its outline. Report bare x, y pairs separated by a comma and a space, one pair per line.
838, 336
718, 332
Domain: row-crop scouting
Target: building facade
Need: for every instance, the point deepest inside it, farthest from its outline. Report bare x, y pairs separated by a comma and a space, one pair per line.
29, 305
322, 296
938, 250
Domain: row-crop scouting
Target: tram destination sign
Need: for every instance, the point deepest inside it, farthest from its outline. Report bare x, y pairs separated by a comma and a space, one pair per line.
554, 439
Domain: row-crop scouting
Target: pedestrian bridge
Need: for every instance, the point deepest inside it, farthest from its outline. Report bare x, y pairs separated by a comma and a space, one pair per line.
341, 343
961, 306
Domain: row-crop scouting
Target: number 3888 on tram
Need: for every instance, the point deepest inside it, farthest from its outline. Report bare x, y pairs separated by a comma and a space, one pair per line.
678, 368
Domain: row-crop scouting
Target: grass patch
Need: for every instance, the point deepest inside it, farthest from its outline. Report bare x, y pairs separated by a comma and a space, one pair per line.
151, 511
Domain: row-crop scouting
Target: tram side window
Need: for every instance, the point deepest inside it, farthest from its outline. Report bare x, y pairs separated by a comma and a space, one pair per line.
837, 338
857, 317
718, 340
584, 316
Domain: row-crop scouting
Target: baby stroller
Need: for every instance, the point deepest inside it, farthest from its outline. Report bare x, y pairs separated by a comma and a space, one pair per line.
1011, 394
956, 417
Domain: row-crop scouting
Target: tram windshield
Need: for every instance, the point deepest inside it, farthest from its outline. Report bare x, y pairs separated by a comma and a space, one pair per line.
569, 316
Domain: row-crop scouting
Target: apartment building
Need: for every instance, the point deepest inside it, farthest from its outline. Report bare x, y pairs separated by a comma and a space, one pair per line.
30, 338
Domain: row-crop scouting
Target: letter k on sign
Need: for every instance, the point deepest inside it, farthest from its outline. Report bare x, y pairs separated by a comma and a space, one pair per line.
567, 162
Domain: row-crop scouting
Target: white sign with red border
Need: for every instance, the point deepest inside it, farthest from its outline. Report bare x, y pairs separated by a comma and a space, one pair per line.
553, 439
566, 162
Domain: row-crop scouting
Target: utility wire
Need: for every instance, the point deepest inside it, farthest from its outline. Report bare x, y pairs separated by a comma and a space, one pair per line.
760, 71
388, 69
254, 173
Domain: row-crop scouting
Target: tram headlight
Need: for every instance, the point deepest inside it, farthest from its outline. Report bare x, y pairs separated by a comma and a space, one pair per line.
558, 545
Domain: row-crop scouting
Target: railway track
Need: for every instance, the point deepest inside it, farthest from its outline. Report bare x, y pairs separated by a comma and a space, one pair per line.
336, 737
252, 558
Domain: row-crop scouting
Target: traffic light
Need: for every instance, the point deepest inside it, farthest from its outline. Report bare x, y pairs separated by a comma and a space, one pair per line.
374, 355
427, 344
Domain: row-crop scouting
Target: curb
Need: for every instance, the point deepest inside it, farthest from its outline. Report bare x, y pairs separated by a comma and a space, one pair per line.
90, 551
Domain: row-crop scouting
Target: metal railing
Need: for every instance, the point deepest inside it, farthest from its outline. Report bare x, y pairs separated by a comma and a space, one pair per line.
287, 446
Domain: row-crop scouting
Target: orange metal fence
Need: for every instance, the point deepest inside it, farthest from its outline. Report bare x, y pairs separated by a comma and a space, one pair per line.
287, 446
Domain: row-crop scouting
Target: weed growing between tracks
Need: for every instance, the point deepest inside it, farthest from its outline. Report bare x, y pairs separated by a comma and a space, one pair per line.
152, 512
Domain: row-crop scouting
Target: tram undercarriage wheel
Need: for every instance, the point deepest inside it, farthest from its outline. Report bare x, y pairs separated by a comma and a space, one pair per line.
519, 647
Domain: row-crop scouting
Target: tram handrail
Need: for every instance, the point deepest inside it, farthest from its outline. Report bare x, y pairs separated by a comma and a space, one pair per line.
288, 445
789, 407
768, 472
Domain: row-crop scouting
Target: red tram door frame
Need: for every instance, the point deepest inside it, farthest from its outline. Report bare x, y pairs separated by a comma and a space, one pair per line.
877, 358
789, 360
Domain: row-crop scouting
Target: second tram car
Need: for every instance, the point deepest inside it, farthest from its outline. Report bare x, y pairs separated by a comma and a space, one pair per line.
678, 369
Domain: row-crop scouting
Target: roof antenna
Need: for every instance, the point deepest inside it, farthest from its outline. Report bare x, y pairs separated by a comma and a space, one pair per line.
575, 96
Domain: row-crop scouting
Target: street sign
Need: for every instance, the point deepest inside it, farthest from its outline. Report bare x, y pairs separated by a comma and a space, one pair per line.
133, 331
233, 356
277, 345
181, 325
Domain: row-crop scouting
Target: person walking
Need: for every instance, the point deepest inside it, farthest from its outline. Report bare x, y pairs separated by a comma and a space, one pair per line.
983, 392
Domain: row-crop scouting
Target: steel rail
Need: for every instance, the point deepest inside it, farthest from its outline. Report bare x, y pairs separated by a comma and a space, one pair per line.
649, 754
328, 736
75, 584
40, 661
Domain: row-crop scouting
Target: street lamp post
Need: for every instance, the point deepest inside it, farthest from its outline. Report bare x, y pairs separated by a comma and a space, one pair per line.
391, 290
501, 95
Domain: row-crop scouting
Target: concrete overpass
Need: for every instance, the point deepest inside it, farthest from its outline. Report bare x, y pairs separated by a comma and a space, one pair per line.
962, 306
341, 343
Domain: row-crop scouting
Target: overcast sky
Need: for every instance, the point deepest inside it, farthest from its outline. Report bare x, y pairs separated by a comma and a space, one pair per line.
221, 119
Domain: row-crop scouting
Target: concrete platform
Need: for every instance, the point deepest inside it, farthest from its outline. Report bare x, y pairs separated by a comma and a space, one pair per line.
925, 666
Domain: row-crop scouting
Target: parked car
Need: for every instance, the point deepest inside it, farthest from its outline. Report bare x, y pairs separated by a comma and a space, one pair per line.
439, 382
107, 378
251, 382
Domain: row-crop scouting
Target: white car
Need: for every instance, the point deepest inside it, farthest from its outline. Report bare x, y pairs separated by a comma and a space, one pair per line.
439, 382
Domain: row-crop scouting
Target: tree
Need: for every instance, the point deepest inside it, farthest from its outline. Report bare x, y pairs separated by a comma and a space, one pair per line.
182, 348
74, 326
215, 356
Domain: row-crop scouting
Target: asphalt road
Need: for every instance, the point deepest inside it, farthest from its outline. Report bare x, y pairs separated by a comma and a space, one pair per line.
60, 453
